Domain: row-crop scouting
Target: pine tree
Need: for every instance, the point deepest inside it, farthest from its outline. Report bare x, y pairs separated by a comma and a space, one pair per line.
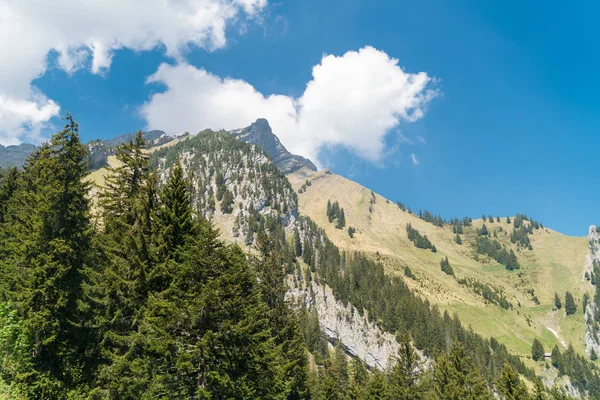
297, 243
173, 218
405, 376
537, 350
483, 231
329, 211
570, 306
456, 377
377, 389
130, 270
539, 392
7, 189
49, 237
341, 219
557, 302
556, 357
510, 386
359, 380
458, 240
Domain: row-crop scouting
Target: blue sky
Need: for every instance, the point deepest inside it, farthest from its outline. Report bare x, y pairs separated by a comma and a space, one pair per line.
513, 125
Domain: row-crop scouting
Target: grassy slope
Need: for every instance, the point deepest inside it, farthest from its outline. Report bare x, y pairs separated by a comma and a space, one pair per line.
555, 264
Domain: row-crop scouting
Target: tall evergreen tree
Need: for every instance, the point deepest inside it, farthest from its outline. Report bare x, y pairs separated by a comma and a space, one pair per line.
510, 386
557, 302
7, 189
405, 379
456, 377
174, 217
49, 238
570, 306
537, 350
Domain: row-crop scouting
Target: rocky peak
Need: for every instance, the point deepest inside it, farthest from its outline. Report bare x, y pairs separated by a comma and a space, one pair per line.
260, 134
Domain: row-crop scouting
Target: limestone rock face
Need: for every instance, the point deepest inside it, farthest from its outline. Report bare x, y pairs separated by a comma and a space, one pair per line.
592, 341
260, 134
359, 337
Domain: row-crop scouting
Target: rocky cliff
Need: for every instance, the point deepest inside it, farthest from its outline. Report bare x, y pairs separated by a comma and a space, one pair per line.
260, 134
359, 337
591, 338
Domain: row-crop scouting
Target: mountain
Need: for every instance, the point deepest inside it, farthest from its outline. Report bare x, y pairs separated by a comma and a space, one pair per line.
98, 150
362, 270
260, 134
11, 156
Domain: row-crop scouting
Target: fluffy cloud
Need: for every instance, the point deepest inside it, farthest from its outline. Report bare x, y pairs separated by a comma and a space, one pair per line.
84, 30
353, 100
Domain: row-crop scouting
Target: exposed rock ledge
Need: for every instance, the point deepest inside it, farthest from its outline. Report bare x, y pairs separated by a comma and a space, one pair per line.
360, 337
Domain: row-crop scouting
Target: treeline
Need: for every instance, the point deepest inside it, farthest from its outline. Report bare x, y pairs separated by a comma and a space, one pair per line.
452, 376
336, 213
147, 303
356, 279
493, 248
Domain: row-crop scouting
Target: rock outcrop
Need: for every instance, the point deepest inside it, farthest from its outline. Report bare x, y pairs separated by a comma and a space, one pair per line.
359, 337
11, 156
591, 338
260, 134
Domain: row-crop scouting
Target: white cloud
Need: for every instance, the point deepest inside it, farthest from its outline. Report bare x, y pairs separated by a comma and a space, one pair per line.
84, 30
353, 100
422, 139
414, 159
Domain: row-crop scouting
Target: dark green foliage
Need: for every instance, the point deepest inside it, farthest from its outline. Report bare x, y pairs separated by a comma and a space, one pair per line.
227, 202
420, 241
351, 231
46, 248
401, 205
173, 218
483, 231
510, 385
406, 377
518, 222
341, 220
491, 219
336, 213
8, 186
408, 273
446, 267
489, 293
537, 350
570, 306
429, 217
521, 236
556, 357
494, 249
377, 389
433, 248
582, 372
456, 377
484, 218
297, 243
508, 220
457, 239
557, 302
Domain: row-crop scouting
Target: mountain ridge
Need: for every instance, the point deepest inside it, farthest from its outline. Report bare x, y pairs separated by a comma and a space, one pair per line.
261, 134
